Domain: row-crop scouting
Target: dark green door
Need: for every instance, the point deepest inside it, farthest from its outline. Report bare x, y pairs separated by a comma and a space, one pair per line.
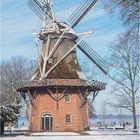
46, 122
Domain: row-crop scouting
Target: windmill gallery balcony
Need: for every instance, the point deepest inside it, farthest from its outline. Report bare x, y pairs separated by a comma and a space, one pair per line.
91, 86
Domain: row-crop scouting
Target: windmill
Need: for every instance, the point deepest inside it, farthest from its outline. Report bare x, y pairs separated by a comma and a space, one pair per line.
52, 26
58, 73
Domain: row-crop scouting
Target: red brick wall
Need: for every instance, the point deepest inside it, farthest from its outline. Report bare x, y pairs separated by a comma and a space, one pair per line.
45, 104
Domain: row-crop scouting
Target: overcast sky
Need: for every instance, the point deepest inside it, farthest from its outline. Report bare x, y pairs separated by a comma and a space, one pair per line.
18, 22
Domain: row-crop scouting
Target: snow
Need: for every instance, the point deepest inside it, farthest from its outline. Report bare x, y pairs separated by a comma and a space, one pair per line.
112, 131
56, 134
15, 129
87, 135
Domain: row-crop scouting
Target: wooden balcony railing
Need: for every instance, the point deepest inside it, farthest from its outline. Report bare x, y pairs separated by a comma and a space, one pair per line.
59, 82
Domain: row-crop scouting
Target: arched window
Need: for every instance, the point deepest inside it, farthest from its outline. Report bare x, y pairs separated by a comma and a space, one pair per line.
46, 121
68, 98
68, 118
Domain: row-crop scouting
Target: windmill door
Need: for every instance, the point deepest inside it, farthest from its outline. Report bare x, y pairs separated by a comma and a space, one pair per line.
47, 121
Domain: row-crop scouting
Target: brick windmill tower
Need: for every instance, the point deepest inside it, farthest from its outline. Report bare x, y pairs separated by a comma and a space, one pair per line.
58, 89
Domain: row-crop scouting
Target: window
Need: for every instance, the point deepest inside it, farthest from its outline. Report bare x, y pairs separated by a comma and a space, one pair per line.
47, 121
68, 98
68, 118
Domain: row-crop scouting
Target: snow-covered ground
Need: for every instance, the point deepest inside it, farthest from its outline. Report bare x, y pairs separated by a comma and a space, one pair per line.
56, 134
71, 137
88, 135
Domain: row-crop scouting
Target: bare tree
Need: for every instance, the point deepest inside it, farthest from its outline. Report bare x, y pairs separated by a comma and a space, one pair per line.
91, 109
17, 69
12, 71
104, 113
125, 55
125, 60
90, 73
128, 11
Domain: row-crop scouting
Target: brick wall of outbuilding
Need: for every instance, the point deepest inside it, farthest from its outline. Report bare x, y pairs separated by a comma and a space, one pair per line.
46, 104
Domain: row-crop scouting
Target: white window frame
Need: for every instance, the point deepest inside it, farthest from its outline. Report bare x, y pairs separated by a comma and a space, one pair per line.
68, 122
47, 115
69, 98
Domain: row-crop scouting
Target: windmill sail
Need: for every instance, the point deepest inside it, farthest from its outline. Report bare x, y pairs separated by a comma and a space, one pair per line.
94, 57
40, 8
81, 11
36, 8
